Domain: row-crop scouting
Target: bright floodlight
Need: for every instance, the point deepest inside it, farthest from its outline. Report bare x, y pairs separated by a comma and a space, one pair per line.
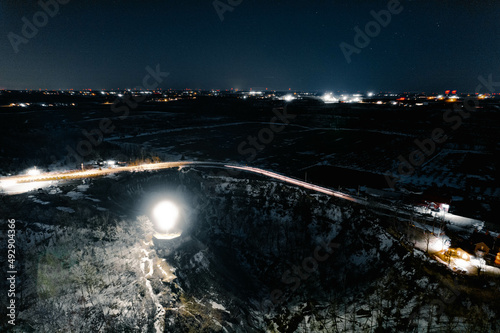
166, 214
33, 172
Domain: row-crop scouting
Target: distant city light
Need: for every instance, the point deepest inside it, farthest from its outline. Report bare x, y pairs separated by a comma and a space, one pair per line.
329, 98
288, 98
370, 94
165, 214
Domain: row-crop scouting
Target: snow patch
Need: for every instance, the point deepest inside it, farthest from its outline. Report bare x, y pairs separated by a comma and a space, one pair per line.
75, 195
54, 191
66, 209
40, 201
217, 306
83, 188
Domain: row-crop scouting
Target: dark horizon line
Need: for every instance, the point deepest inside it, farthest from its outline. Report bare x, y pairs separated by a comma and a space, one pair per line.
246, 90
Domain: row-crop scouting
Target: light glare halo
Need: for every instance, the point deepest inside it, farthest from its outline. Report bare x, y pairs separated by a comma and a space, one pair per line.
166, 214
33, 172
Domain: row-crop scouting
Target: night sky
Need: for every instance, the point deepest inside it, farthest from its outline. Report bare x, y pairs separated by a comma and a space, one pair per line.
430, 46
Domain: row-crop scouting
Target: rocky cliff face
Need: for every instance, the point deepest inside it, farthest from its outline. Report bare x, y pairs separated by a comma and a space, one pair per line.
263, 251
266, 256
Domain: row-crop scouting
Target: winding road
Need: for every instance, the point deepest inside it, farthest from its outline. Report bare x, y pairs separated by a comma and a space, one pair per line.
15, 184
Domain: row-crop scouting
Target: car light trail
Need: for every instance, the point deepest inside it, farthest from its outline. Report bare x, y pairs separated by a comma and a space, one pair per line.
10, 183
299, 183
